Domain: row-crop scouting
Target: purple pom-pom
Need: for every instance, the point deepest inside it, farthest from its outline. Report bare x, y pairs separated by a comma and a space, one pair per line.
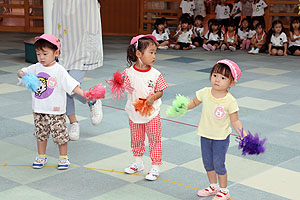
251, 144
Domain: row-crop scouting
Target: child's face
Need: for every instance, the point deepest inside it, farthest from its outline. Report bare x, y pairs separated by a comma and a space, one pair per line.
259, 30
219, 82
184, 25
245, 24
46, 56
161, 27
230, 28
214, 27
296, 25
198, 22
149, 55
277, 28
254, 23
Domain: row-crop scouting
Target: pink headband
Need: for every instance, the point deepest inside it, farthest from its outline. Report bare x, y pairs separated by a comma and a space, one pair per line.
234, 68
136, 38
50, 38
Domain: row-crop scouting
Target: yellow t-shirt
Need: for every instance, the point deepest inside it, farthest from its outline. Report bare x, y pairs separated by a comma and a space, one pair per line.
215, 121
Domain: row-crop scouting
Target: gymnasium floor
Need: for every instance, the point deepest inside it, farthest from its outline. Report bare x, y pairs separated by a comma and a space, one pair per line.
268, 94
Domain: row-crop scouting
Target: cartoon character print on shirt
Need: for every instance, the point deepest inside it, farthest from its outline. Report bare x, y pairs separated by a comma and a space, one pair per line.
219, 112
226, 11
258, 7
281, 42
47, 86
151, 85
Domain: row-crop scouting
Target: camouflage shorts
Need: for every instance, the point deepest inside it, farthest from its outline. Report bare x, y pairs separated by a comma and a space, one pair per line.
56, 124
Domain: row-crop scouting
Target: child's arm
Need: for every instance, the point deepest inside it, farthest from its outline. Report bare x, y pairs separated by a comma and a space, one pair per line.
235, 39
253, 41
193, 103
225, 40
19, 73
237, 124
78, 90
150, 99
292, 37
270, 46
285, 49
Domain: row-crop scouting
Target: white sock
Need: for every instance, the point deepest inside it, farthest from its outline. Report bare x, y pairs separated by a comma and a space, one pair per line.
224, 190
138, 160
215, 186
155, 167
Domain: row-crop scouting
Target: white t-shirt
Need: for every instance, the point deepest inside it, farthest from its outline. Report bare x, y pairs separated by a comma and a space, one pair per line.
161, 37
230, 39
185, 37
237, 7
199, 30
296, 43
243, 35
213, 37
56, 82
279, 41
145, 83
187, 7
167, 30
258, 9
222, 12
252, 33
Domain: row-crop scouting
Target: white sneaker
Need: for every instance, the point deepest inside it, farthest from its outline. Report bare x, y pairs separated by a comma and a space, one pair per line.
223, 47
96, 113
256, 51
39, 162
74, 131
163, 47
193, 46
232, 48
172, 45
251, 51
133, 168
152, 174
63, 163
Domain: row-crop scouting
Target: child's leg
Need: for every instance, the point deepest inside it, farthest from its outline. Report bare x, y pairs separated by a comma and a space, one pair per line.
59, 131
207, 158
153, 129
244, 44
274, 52
165, 43
297, 53
42, 145
63, 149
280, 52
137, 132
41, 132
248, 44
223, 180
177, 47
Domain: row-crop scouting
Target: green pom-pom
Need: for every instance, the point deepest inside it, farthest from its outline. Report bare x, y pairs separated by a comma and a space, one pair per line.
179, 107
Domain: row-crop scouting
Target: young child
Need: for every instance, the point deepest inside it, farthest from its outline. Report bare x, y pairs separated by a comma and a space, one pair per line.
258, 41
258, 10
147, 83
252, 30
243, 33
219, 110
294, 41
198, 31
167, 30
187, 6
277, 40
184, 36
49, 101
160, 34
230, 38
236, 12
222, 13
213, 38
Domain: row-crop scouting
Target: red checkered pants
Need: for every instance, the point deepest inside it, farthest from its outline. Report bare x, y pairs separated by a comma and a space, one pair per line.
153, 130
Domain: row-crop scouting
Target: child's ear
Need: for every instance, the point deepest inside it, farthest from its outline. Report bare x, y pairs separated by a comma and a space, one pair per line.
56, 53
138, 53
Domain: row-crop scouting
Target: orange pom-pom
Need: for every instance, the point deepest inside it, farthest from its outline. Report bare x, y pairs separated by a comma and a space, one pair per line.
142, 107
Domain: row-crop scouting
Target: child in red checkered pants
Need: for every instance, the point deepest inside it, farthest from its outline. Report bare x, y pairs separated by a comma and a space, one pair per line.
147, 83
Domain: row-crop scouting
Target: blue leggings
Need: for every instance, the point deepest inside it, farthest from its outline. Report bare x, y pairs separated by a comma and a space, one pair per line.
214, 153
78, 75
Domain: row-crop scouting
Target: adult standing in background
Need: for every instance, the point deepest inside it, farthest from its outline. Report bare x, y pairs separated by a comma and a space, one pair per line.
77, 24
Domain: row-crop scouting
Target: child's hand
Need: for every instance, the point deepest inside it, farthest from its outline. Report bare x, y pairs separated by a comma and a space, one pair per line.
150, 100
285, 54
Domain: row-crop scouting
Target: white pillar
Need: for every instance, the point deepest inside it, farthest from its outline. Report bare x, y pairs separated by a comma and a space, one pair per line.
47, 9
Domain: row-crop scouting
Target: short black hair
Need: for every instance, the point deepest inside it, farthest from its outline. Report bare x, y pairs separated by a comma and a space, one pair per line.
40, 44
199, 17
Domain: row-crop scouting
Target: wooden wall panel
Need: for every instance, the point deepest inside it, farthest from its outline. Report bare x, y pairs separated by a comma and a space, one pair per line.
120, 17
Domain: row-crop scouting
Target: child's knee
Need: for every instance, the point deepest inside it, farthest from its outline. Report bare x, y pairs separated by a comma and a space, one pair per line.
220, 168
280, 53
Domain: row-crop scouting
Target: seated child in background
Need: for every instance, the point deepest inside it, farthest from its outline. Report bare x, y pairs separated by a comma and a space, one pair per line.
160, 34
252, 30
198, 31
258, 41
214, 37
294, 42
184, 36
277, 40
167, 30
243, 33
230, 38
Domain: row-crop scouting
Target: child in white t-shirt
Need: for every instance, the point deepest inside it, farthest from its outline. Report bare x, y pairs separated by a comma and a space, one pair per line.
160, 34
258, 41
49, 101
294, 41
214, 37
277, 40
222, 13
184, 36
258, 11
147, 83
244, 34
198, 29
236, 12
187, 6
230, 38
